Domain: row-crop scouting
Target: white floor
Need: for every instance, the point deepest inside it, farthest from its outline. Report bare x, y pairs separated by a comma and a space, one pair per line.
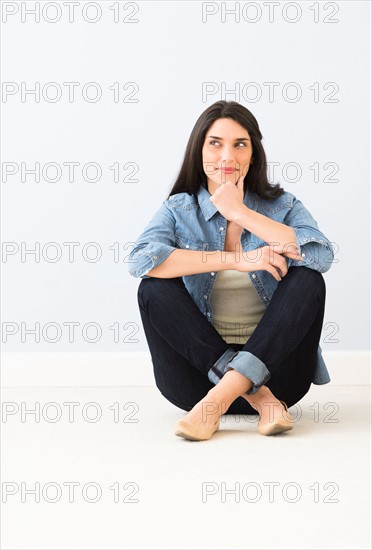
306, 489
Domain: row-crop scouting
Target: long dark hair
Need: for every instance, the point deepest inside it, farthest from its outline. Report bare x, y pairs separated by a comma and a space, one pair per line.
192, 175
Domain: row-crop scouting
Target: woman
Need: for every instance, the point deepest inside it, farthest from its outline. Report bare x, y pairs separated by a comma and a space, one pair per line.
232, 297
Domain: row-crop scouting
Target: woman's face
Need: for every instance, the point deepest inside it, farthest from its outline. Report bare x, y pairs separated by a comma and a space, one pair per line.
226, 153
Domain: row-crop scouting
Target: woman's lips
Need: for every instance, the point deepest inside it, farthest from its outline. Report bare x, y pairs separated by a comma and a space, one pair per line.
229, 170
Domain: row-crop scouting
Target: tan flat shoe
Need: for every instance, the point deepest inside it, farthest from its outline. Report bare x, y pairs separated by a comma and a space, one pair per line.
195, 433
282, 423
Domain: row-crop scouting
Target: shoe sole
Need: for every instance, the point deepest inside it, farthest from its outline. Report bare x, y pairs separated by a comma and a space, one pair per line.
276, 428
182, 431
279, 426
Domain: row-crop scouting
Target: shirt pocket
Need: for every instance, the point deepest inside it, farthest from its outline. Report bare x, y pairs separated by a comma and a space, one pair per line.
276, 211
190, 242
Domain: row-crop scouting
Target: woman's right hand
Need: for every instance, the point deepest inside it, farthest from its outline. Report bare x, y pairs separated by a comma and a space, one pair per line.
264, 258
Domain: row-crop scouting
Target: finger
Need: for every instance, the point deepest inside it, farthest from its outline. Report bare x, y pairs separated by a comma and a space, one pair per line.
277, 249
293, 249
280, 263
274, 272
293, 255
278, 275
240, 182
289, 252
283, 268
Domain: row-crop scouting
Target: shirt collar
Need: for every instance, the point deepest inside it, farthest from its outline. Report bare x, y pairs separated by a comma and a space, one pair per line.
209, 209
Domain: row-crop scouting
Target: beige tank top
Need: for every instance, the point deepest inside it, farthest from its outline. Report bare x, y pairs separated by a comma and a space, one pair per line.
236, 307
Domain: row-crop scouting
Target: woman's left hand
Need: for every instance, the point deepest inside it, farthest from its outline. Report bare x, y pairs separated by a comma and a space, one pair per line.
228, 198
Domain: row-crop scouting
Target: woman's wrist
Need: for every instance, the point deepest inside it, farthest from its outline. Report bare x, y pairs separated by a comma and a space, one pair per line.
228, 260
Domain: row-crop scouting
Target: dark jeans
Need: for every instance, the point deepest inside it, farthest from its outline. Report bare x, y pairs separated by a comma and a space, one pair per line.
184, 345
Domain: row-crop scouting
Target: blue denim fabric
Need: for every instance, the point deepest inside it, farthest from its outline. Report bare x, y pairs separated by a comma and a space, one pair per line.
244, 362
192, 222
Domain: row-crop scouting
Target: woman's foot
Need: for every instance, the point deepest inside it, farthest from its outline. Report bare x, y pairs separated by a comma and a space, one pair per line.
274, 415
202, 421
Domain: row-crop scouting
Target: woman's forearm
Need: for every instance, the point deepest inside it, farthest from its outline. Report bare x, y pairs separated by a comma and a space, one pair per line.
266, 229
189, 262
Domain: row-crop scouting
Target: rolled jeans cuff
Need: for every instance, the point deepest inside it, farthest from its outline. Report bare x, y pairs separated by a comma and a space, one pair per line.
244, 362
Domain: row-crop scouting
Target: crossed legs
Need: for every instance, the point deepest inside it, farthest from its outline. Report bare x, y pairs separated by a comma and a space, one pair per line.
184, 346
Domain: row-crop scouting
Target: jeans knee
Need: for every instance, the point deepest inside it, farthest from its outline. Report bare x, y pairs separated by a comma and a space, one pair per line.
321, 286
147, 289
313, 279
155, 287
317, 284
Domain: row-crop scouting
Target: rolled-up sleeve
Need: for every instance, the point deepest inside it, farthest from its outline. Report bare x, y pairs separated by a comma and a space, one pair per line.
316, 250
155, 243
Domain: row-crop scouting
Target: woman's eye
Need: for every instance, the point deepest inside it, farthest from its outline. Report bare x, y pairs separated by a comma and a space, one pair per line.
238, 143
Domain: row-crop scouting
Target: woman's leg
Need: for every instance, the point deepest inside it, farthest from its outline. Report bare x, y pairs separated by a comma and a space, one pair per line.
292, 321
282, 349
176, 378
183, 343
286, 340
286, 322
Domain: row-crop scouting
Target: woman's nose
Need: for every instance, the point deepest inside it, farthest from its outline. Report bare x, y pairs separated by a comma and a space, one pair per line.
228, 158
228, 154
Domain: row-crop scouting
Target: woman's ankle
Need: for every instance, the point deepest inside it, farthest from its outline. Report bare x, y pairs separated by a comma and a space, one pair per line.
257, 400
217, 398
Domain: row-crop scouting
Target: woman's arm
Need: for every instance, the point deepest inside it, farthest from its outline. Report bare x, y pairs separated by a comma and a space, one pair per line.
298, 232
189, 262
155, 253
155, 243
282, 237
228, 199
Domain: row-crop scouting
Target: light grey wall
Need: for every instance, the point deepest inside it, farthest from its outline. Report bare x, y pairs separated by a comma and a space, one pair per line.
171, 54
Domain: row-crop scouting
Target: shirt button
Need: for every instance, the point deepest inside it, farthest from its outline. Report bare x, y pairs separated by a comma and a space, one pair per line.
303, 254
253, 276
187, 246
154, 257
212, 273
205, 296
208, 314
221, 228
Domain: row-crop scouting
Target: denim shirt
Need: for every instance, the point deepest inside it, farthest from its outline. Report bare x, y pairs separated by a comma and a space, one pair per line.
192, 222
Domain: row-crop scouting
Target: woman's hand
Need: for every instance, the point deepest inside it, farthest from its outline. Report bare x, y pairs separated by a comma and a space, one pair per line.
263, 258
228, 198
290, 250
